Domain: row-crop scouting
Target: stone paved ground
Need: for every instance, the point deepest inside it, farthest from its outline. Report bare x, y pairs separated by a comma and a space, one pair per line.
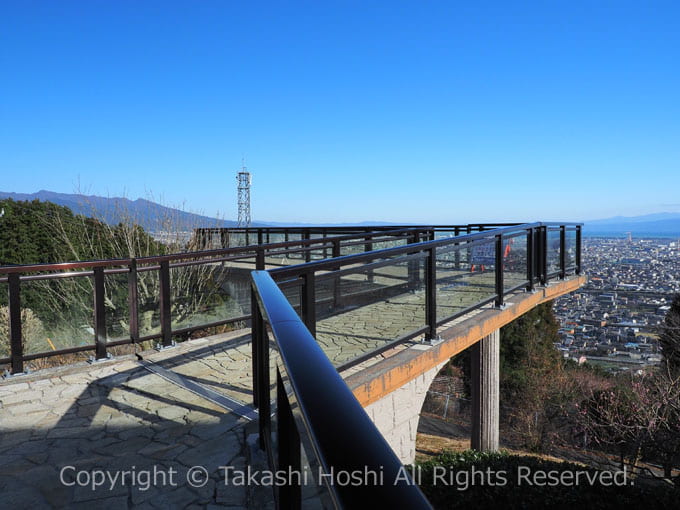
78, 420
356, 331
116, 416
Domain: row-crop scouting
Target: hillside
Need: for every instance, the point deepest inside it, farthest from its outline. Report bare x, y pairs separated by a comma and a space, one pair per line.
150, 215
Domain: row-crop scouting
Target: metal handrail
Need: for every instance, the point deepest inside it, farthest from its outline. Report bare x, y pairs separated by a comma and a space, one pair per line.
344, 440
306, 276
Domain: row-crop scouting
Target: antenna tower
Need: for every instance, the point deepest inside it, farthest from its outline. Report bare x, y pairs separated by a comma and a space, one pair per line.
244, 181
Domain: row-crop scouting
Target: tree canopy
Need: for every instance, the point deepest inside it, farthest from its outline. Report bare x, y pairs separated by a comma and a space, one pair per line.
670, 337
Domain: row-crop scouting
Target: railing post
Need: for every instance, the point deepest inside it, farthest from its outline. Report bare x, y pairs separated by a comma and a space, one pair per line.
16, 343
499, 270
259, 259
166, 321
289, 461
336, 281
578, 249
259, 236
99, 314
413, 265
368, 246
431, 295
530, 259
308, 302
132, 301
308, 252
563, 252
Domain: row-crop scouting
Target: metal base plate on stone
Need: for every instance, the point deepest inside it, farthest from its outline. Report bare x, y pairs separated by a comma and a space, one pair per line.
91, 360
431, 341
8, 375
161, 347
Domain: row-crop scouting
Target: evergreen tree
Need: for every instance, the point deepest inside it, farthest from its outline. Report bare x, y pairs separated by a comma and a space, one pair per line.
670, 337
528, 350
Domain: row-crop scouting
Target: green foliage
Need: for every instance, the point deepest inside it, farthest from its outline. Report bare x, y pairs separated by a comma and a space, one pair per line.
670, 337
499, 480
25, 235
42, 232
528, 351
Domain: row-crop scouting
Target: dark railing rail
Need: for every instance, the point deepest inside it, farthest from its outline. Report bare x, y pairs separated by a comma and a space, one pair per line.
255, 255
537, 268
316, 413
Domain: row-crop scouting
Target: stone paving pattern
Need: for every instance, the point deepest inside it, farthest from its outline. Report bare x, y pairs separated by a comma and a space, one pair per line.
115, 416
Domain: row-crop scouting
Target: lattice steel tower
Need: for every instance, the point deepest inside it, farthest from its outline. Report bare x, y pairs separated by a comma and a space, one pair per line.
244, 181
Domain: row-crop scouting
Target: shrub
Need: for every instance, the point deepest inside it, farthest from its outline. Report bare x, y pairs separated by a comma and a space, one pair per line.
32, 331
491, 480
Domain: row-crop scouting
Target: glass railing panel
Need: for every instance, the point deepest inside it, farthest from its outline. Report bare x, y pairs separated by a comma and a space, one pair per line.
237, 239
209, 292
274, 363
116, 306
570, 239
553, 255
388, 243
274, 237
148, 302
465, 276
292, 293
514, 261
365, 308
320, 253
315, 495
444, 234
354, 246
57, 314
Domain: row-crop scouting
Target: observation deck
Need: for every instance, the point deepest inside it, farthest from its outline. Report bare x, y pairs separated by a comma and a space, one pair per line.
325, 322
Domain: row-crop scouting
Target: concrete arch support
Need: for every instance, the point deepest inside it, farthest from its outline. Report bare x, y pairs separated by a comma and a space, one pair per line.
485, 375
396, 415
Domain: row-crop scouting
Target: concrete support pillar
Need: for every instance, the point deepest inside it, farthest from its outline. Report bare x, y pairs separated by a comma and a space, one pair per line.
396, 414
485, 359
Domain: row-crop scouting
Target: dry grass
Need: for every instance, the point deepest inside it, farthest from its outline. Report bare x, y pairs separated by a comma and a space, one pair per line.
428, 446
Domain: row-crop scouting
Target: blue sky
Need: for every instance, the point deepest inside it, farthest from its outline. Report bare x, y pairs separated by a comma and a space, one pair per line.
428, 112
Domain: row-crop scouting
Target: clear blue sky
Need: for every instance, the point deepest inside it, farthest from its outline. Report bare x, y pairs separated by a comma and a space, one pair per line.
347, 111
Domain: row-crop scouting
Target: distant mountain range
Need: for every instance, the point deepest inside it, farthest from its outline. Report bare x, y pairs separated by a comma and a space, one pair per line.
660, 224
150, 215
153, 216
